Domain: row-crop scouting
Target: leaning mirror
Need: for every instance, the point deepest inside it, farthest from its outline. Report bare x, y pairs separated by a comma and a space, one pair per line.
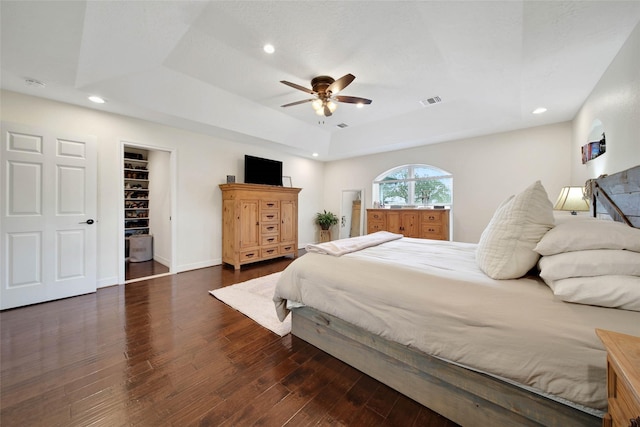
351, 214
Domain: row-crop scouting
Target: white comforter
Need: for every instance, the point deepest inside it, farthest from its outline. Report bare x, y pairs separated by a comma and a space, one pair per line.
430, 295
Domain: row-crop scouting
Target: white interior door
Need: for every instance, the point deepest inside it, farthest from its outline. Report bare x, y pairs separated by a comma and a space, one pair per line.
48, 233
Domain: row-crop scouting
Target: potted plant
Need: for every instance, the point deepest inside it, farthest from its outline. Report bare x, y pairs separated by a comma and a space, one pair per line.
326, 219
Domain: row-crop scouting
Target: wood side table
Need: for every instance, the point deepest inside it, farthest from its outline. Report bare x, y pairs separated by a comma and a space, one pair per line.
623, 379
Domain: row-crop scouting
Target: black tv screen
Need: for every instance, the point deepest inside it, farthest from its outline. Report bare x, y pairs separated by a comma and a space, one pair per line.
262, 171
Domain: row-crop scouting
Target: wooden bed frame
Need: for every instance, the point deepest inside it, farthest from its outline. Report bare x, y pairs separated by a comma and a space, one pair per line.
464, 396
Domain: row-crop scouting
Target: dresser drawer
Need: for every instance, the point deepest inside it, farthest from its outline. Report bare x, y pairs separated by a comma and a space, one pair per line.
432, 231
287, 248
269, 252
270, 216
270, 204
373, 227
376, 216
270, 229
249, 255
433, 217
270, 240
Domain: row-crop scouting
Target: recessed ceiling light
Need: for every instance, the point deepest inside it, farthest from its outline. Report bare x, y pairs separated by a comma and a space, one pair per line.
539, 110
269, 48
97, 99
315, 154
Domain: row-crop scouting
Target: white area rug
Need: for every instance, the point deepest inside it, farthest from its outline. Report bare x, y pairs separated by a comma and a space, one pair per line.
254, 298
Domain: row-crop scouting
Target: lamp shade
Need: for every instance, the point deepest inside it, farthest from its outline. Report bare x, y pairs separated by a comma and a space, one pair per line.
571, 199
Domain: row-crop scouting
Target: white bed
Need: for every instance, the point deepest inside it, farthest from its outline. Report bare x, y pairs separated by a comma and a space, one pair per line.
424, 318
431, 296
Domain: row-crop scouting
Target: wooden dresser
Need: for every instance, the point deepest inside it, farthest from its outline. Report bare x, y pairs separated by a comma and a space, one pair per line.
623, 379
421, 223
259, 222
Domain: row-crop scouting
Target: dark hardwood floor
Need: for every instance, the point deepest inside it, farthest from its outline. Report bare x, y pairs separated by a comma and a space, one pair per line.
165, 352
137, 270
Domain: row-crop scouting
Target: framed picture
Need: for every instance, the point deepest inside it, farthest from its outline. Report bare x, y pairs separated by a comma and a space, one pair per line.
286, 181
594, 149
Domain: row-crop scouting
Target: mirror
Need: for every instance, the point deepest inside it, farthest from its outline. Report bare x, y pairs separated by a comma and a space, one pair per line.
351, 214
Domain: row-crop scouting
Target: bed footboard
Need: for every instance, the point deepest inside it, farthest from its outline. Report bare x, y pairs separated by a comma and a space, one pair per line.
461, 395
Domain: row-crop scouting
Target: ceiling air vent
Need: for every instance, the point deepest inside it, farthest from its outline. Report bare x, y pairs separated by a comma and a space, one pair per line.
342, 125
34, 82
431, 101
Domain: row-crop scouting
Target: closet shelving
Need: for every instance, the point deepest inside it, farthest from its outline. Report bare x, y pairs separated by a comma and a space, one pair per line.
136, 194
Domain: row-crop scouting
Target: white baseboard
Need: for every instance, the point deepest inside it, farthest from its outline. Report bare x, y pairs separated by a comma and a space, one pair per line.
162, 260
109, 281
197, 265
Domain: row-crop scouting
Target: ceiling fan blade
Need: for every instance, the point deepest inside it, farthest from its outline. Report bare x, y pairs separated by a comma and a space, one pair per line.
298, 102
352, 99
327, 111
295, 86
341, 83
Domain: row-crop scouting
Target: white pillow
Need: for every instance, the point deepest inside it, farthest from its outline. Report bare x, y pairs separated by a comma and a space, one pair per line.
505, 250
605, 291
583, 234
597, 262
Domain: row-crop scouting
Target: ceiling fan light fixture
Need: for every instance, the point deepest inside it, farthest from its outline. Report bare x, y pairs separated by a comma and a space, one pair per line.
317, 105
325, 88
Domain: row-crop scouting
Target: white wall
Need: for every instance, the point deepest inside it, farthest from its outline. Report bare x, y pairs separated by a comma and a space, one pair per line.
615, 101
486, 170
203, 162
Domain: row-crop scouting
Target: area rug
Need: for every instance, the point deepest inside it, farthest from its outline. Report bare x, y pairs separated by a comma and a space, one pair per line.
254, 299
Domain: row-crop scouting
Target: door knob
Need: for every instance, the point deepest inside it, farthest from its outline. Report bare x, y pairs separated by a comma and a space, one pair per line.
89, 221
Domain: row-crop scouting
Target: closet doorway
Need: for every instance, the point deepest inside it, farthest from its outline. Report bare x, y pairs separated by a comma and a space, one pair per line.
148, 212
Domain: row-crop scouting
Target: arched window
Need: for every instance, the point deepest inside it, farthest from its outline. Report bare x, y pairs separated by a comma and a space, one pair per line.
413, 185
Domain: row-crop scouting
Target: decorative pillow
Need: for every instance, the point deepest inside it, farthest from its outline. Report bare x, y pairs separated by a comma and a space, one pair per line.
583, 234
597, 262
605, 291
505, 250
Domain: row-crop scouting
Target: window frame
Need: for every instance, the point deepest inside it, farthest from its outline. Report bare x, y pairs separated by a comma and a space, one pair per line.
411, 181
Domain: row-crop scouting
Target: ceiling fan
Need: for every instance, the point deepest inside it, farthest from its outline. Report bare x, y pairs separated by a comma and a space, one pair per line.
325, 89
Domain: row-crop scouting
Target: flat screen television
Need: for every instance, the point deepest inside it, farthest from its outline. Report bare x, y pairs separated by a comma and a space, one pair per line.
262, 171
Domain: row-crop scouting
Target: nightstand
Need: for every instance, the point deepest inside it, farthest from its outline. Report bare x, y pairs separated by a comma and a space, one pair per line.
623, 379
